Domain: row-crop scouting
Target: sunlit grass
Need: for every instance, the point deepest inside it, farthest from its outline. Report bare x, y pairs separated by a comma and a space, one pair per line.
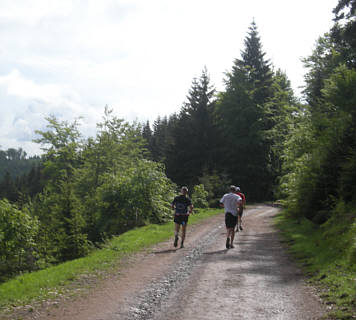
53, 281
325, 260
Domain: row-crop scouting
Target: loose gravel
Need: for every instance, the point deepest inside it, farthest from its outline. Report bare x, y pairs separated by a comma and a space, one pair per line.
151, 300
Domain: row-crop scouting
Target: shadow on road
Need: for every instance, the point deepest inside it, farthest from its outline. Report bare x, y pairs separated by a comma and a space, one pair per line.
216, 252
165, 251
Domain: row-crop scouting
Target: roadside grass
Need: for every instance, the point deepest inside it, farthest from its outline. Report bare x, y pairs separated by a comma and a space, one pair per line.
323, 254
53, 282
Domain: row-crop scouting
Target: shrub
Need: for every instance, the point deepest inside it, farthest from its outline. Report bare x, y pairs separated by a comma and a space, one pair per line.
199, 196
138, 195
17, 245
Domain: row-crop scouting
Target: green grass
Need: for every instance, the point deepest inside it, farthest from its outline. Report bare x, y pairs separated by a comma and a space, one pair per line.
323, 253
54, 281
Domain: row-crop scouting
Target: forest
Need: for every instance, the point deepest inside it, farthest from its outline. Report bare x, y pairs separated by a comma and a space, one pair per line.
255, 134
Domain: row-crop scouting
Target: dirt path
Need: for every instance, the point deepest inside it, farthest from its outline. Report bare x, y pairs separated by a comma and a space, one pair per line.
255, 280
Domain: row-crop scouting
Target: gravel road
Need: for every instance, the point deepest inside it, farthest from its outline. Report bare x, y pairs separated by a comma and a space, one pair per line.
255, 280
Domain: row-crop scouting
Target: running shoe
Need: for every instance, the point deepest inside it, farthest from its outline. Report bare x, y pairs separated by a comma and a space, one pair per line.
232, 246
175, 241
182, 245
241, 228
227, 243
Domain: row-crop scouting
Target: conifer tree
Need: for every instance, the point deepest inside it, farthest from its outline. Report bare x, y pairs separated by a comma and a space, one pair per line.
256, 66
8, 188
147, 135
241, 116
280, 114
344, 30
193, 148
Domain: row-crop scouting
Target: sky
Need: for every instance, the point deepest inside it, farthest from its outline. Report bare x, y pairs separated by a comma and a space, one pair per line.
71, 58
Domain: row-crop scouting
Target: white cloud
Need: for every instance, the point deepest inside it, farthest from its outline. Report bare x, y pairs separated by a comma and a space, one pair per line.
26, 89
72, 57
34, 102
30, 12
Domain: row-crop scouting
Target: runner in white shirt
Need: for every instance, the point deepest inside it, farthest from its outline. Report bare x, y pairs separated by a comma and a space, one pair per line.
230, 201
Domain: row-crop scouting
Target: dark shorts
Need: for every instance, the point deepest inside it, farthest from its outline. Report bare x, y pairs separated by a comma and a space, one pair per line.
240, 213
181, 219
230, 220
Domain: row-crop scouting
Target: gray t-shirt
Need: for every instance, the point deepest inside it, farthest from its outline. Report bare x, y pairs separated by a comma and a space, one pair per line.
230, 202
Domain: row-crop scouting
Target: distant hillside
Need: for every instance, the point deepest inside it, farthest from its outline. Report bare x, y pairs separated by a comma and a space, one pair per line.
16, 162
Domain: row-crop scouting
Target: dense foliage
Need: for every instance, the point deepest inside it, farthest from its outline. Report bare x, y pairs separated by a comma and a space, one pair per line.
234, 136
319, 168
94, 189
199, 196
19, 174
15, 162
17, 239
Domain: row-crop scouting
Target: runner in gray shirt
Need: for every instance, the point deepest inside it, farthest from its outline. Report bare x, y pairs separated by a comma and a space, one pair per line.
230, 201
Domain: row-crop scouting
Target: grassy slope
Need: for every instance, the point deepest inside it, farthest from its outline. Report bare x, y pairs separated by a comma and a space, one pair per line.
324, 255
53, 281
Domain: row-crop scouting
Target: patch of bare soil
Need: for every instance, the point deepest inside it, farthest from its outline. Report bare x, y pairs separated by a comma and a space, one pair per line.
204, 280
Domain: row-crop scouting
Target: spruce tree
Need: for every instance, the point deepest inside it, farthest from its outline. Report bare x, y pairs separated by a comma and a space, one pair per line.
344, 30
147, 135
8, 188
160, 139
193, 145
280, 115
256, 66
147, 132
241, 117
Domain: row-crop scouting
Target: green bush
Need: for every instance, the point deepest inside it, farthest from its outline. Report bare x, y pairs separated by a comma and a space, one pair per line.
215, 184
17, 246
342, 226
199, 196
135, 197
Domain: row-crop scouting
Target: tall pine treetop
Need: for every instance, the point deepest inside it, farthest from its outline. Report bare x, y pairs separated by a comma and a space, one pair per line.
200, 95
256, 67
253, 64
252, 55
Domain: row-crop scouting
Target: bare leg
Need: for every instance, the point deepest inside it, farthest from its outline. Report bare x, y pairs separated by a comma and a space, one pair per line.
184, 228
228, 238
176, 229
227, 232
176, 233
232, 237
239, 224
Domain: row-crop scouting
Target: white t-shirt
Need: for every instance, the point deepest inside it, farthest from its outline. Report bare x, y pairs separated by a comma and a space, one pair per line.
230, 202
